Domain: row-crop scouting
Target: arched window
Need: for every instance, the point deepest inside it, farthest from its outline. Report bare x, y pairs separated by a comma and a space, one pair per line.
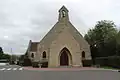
83, 54
32, 55
44, 54
63, 13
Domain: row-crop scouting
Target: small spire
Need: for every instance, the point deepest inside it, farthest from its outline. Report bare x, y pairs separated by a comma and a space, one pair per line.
63, 14
63, 8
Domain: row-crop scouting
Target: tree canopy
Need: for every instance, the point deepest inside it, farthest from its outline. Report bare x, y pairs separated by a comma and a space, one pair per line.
103, 38
3, 55
1, 50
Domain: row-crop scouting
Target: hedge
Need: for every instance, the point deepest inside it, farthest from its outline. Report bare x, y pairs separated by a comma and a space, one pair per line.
112, 61
87, 63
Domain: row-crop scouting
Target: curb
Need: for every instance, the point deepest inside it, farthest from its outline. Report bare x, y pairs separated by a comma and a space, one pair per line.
67, 69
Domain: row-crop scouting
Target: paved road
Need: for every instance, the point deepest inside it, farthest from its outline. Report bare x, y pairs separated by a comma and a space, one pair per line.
57, 75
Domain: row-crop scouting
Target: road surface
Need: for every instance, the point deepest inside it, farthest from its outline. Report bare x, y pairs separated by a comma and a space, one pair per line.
18, 73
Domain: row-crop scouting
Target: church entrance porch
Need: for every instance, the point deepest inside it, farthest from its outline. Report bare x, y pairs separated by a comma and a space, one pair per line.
65, 57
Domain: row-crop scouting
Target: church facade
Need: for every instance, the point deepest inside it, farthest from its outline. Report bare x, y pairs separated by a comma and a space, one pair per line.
63, 45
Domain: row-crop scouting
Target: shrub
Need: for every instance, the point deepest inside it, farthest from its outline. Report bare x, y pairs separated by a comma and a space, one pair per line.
87, 63
27, 62
112, 61
35, 64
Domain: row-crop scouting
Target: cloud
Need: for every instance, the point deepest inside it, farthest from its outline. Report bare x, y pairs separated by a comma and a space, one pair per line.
22, 20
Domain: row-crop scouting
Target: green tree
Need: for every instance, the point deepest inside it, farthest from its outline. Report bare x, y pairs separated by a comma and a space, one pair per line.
118, 43
3, 55
6, 56
103, 37
1, 52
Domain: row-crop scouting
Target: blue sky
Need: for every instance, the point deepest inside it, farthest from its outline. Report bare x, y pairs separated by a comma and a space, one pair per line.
22, 20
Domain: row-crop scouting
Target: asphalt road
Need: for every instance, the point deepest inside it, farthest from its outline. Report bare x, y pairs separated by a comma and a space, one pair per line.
11, 74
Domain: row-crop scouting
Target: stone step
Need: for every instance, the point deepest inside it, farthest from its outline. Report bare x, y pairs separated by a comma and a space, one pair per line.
65, 66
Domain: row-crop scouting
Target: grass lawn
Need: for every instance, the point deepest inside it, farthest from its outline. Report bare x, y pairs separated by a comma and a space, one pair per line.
106, 67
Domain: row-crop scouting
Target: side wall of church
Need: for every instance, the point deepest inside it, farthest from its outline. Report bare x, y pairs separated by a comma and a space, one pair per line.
86, 48
40, 50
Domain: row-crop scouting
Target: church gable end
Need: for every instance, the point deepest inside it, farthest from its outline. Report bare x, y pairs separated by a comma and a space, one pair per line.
62, 37
63, 22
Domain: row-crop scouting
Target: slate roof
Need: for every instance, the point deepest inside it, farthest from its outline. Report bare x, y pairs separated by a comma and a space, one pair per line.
33, 46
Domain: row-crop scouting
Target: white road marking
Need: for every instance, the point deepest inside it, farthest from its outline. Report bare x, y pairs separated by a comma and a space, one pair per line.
20, 68
2, 69
9, 69
14, 68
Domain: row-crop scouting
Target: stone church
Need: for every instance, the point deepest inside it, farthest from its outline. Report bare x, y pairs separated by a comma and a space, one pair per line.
63, 45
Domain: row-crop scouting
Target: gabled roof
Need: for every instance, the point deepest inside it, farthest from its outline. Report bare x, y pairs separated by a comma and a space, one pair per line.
50, 35
57, 28
33, 46
76, 34
63, 8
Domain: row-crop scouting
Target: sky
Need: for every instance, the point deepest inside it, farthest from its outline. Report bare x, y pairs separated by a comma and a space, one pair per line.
24, 20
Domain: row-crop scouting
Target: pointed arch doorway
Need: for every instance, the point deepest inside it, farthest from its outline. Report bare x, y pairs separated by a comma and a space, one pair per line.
65, 57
